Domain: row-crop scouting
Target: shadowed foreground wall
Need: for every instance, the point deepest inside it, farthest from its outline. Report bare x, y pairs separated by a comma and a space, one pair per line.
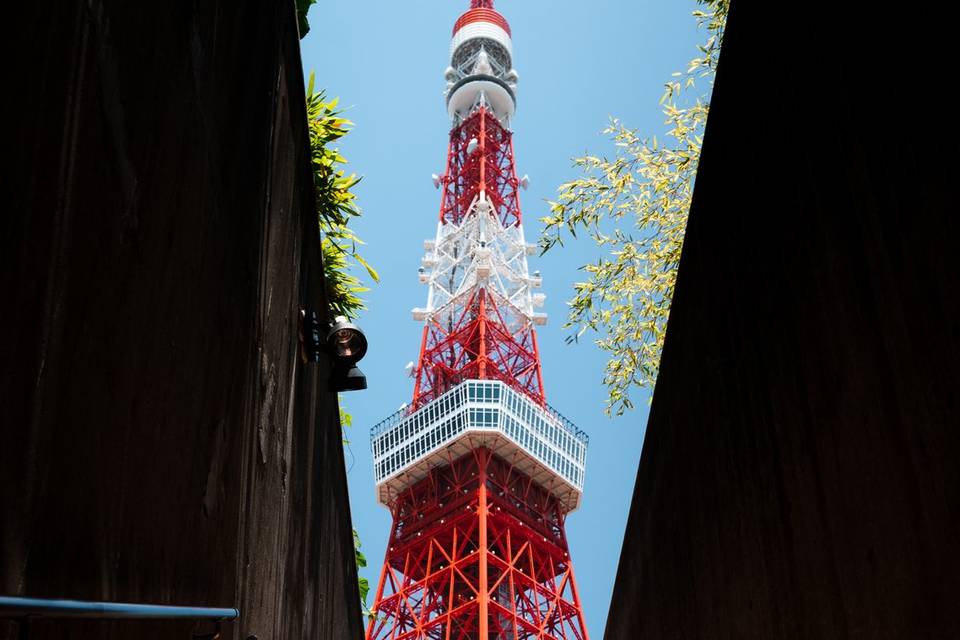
800, 475
161, 440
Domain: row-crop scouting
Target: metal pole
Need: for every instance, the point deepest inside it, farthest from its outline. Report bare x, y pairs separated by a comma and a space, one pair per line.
17, 607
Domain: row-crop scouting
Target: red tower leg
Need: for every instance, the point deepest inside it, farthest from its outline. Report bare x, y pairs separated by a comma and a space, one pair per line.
477, 551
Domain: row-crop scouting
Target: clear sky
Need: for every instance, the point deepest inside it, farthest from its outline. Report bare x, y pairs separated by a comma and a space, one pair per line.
579, 63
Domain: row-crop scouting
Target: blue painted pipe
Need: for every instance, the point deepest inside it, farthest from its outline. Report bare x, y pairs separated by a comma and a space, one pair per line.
15, 607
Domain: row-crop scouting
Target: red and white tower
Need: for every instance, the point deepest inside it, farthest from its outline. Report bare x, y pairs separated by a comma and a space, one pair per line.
478, 471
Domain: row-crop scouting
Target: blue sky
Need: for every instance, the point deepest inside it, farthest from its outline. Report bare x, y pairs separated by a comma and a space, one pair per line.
579, 63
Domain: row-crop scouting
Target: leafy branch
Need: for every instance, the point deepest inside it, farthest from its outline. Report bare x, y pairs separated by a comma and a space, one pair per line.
646, 187
303, 6
336, 205
346, 421
363, 583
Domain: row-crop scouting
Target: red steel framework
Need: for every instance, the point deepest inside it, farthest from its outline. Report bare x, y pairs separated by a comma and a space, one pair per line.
481, 10
483, 337
488, 168
478, 550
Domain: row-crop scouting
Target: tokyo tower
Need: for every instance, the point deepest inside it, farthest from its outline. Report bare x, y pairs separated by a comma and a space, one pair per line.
478, 471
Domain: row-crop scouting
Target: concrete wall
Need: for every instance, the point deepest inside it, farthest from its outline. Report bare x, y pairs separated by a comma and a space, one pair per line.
800, 476
161, 439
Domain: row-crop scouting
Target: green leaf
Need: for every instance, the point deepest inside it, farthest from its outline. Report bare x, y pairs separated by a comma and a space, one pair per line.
303, 6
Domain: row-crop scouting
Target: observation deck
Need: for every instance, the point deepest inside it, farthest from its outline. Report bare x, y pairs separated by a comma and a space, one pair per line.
481, 66
536, 439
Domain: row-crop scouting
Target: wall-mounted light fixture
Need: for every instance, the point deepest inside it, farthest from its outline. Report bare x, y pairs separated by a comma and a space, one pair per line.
344, 342
347, 344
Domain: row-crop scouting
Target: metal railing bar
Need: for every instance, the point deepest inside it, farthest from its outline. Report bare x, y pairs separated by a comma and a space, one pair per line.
18, 607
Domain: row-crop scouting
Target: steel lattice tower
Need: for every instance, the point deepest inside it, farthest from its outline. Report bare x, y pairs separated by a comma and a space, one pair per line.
478, 471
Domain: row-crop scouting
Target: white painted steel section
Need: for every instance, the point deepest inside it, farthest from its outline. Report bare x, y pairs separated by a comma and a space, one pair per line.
481, 30
406, 445
467, 96
480, 251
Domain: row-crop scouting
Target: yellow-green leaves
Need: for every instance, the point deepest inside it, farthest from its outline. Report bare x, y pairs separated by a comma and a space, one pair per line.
336, 204
647, 184
362, 583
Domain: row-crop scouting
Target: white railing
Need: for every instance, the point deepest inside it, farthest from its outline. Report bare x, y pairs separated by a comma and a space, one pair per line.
408, 436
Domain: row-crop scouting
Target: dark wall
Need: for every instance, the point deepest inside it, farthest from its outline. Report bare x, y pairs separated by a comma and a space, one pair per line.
161, 439
800, 475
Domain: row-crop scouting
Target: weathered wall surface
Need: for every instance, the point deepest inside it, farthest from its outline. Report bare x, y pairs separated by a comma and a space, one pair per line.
800, 474
161, 439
